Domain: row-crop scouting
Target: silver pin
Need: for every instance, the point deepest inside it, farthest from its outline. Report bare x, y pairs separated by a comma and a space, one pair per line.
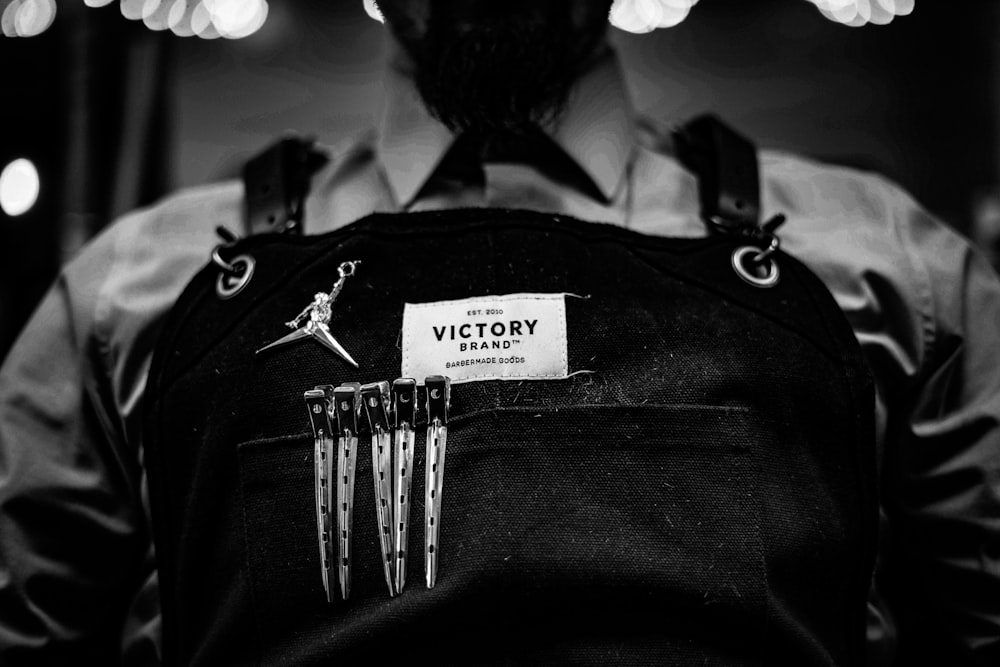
317, 318
318, 402
438, 398
346, 405
404, 408
375, 397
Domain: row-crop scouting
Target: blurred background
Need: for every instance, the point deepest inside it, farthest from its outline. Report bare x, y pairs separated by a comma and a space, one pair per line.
110, 104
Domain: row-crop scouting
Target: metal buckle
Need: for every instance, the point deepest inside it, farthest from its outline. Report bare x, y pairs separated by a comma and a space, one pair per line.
235, 275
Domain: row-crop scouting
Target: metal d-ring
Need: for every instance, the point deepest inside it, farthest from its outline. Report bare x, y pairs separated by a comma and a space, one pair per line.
221, 263
234, 276
760, 258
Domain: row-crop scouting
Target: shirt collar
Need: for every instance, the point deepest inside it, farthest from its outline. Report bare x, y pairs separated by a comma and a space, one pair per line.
596, 130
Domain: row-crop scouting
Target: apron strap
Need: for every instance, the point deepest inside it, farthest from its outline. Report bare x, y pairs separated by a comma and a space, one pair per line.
277, 180
276, 183
725, 163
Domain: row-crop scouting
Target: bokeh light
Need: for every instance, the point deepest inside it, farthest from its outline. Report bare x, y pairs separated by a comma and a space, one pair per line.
156, 14
642, 16
373, 11
857, 13
208, 19
179, 19
132, 9
34, 17
7, 18
201, 23
27, 18
235, 19
19, 187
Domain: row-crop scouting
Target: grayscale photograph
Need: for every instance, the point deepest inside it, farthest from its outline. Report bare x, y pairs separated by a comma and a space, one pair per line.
520, 332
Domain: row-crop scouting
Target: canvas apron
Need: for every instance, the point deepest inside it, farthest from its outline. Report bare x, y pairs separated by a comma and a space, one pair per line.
698, 491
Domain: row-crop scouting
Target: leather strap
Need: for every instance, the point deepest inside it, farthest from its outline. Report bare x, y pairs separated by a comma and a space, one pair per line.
725, 163
276, 183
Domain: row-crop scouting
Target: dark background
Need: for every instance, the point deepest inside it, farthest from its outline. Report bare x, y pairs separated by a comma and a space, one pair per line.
116, 115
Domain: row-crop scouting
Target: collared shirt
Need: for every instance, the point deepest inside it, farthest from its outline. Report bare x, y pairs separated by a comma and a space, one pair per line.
77, 574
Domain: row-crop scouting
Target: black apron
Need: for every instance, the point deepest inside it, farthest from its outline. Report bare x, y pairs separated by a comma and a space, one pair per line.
704, 496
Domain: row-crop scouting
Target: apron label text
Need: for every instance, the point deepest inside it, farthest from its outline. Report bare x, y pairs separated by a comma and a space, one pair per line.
506, 337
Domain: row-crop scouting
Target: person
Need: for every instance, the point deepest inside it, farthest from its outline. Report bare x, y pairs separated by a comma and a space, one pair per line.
517, 105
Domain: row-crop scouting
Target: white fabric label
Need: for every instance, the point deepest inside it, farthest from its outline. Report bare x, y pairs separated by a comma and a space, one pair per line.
507, 337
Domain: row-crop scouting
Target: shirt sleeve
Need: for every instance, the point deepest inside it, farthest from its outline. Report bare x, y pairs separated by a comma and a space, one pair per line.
72, 531
942, 467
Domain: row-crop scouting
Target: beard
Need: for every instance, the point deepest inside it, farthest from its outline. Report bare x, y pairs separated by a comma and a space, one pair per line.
506, 70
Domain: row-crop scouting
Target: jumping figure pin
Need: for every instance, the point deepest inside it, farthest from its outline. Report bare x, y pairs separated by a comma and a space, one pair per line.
317, 318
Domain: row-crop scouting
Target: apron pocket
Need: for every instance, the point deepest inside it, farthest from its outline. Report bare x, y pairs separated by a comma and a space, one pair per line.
588, 531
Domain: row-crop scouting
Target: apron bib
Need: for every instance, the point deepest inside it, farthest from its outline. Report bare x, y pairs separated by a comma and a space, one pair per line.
698, 491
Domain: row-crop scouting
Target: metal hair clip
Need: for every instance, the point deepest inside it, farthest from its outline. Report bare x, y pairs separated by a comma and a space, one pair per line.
438, 398
318, 401
375, 397
404, 409
346, 404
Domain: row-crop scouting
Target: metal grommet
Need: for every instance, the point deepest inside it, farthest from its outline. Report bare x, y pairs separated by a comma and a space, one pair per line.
747, 269
231, 283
